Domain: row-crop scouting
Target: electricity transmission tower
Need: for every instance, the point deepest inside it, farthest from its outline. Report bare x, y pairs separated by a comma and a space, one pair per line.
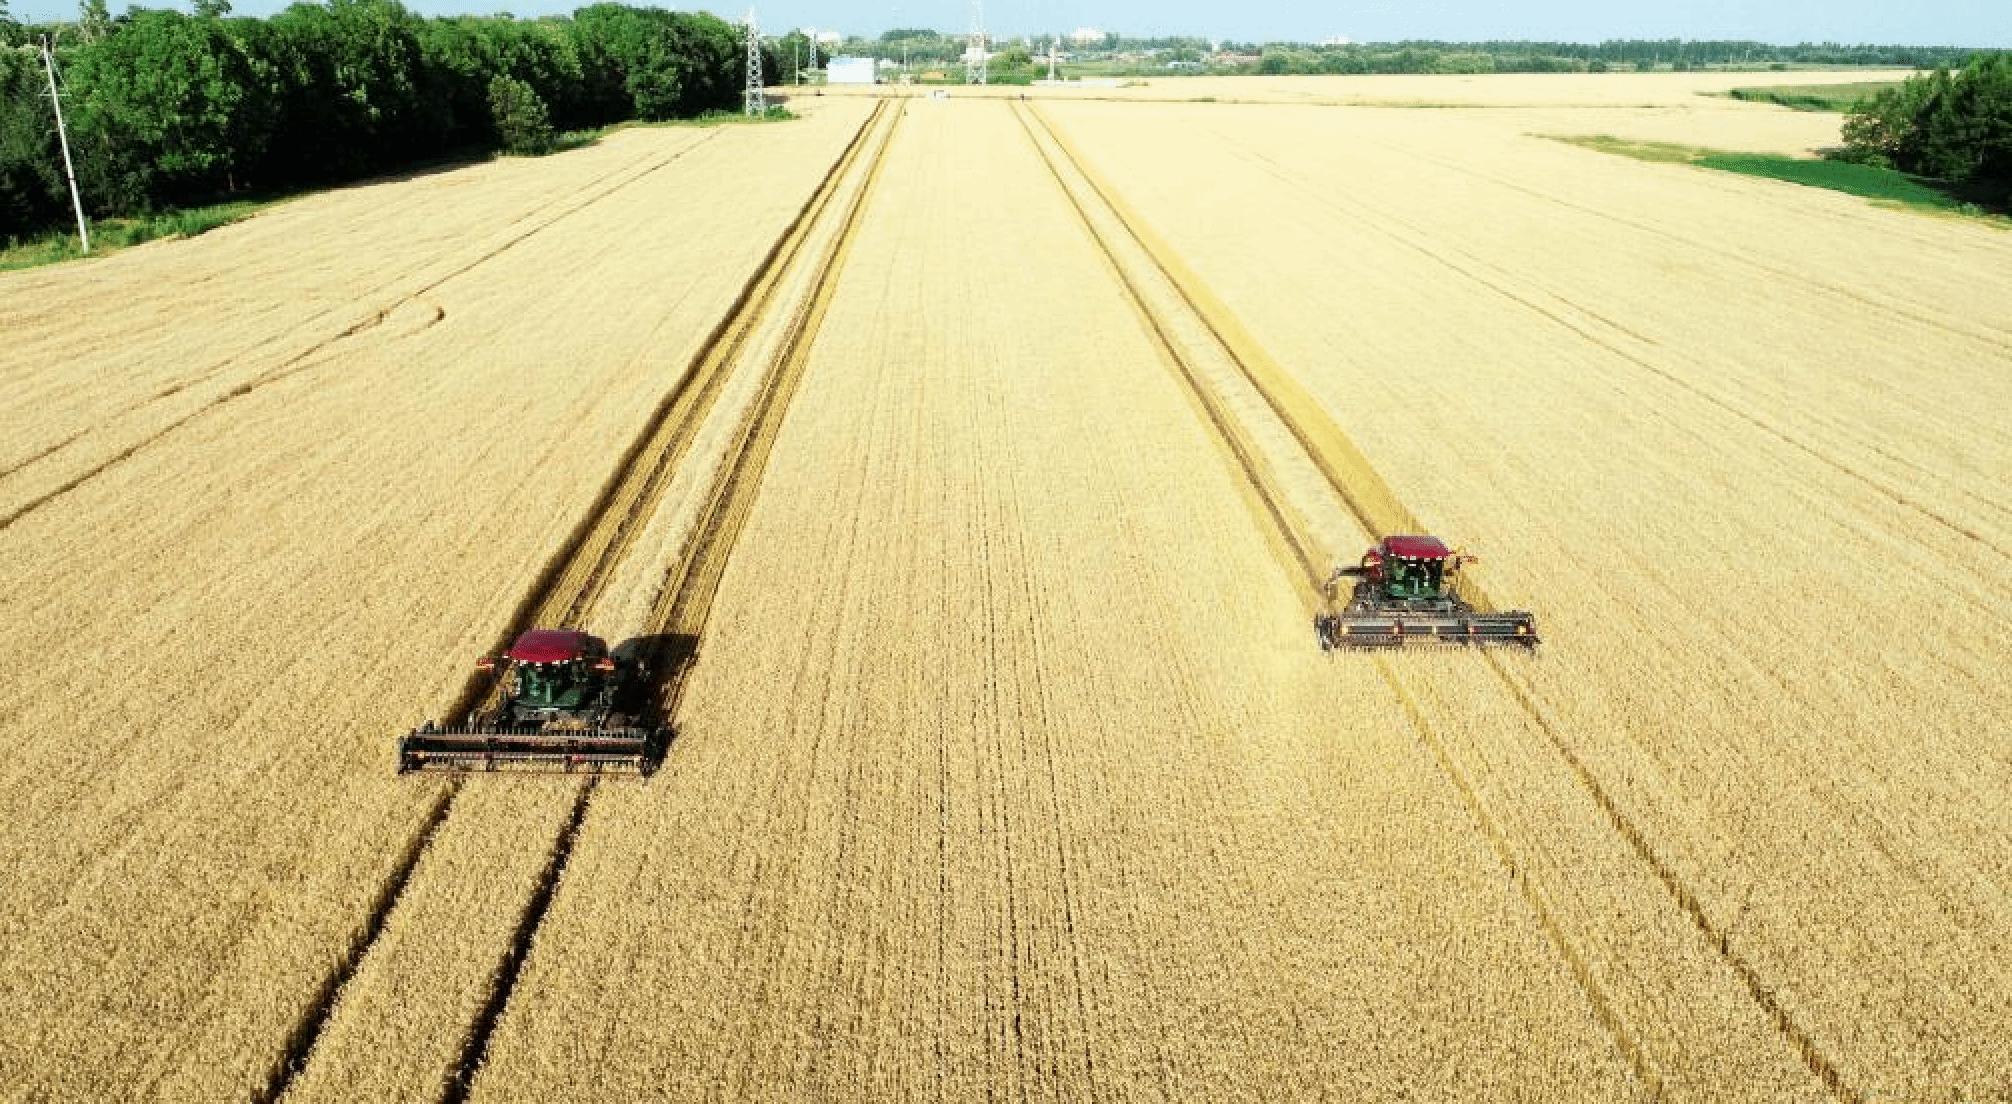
974, 60
63, 139
755, 99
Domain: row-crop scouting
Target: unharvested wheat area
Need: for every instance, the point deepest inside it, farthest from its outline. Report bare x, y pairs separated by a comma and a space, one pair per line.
986, 454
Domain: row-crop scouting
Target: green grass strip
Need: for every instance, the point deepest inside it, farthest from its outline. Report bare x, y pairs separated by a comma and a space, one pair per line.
1838, 176
113, 234
1887, 187
1814, 97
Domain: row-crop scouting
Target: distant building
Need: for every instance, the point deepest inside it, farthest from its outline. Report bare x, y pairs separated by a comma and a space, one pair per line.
1083, 36
849, 70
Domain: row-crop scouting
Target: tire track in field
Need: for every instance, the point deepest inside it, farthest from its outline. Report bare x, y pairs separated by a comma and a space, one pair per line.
538, 217
1261, 482
684, 605
579, 571
1370, 502
306, 357
1379, 511
1997, 340
420, 266
1415, 239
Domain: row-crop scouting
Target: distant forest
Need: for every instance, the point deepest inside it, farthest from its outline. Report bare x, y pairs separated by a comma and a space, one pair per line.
1565, 57
167, 109
918, 45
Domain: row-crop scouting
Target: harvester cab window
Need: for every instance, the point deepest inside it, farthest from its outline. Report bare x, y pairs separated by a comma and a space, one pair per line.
540, 682
1417, 577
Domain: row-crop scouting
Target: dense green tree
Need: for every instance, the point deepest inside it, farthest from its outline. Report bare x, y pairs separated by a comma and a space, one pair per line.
629, 66
171, 108
165, 110
1956, 126
94, 20
30, 184
521, 121
463, 54
792, 52
355, 94
712, 58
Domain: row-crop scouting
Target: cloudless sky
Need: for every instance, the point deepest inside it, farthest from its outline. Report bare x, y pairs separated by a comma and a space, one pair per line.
1908, 22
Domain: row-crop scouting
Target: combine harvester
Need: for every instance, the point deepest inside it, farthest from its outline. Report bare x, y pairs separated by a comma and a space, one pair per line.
557, 712
1404, 590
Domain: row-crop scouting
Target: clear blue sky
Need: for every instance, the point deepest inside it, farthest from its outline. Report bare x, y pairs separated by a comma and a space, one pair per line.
1912, 22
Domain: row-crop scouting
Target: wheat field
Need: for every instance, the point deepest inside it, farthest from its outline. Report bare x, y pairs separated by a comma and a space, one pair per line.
1006, 765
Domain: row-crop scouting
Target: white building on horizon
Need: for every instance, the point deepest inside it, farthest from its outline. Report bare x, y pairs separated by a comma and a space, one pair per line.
1083, 36
850, 70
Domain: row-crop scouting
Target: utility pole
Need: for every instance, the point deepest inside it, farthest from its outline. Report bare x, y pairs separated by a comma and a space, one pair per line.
755, 100
1054, 45
63, 140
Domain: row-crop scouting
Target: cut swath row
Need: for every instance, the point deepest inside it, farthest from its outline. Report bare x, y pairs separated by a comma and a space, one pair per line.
346, 1042
1363, 496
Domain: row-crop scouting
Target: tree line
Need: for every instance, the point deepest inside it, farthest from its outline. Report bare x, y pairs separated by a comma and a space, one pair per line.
1951, 125
169, 109
925, 46
1568, 57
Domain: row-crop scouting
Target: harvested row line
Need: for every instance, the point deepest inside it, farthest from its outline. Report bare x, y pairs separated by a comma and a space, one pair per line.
1379, 511
453, 1035
1346, 470
579, 575
693, 578
1261, 478
1373, 505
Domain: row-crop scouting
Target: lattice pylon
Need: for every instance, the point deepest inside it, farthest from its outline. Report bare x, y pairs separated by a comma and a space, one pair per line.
974, 57
755, 100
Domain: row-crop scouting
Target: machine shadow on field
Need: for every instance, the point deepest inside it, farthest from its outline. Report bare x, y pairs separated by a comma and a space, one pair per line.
664, 659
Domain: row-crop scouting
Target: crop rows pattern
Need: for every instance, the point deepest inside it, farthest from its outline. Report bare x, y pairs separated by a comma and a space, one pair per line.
978, 462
